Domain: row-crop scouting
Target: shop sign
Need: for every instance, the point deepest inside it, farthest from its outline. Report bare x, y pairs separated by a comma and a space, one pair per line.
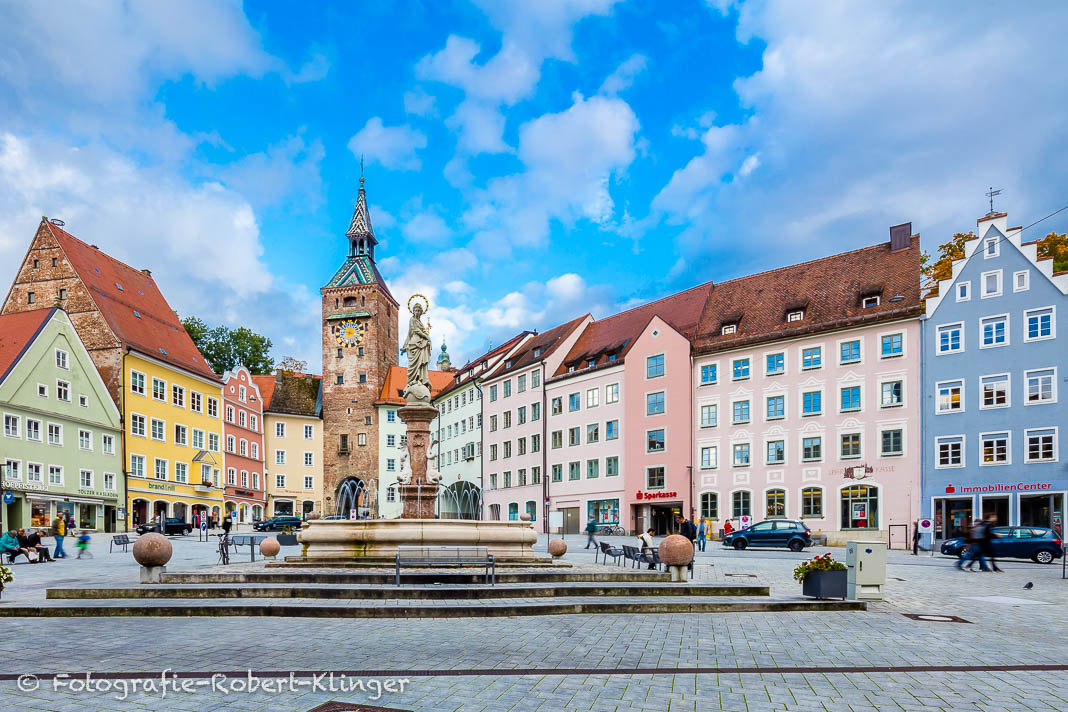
860, 510
95, 493
656, 495
1000, 487
25, 486
860, 472
9, 497
165, 488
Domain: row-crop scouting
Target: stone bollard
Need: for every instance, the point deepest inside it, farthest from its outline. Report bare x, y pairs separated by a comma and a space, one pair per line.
152, 551
676, 552
557, 548
270, 547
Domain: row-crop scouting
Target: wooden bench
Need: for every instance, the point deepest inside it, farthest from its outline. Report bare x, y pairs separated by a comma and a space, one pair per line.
120, 539
249, 540
433, 556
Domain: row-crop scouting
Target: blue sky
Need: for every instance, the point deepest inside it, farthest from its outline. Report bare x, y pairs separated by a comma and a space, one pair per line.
525, 162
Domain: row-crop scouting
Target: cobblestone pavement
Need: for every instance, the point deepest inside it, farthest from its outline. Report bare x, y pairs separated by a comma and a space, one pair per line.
874, 660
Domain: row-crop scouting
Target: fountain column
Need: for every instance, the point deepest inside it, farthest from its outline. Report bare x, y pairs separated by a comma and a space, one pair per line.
418, 497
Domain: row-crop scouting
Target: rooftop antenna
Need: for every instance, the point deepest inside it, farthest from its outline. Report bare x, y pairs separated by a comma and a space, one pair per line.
990, 194
361, 170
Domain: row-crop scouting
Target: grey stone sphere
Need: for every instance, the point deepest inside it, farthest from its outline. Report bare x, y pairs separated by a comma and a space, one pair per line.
152, 549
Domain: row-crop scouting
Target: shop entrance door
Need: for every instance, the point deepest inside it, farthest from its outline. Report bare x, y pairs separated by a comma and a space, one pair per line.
1042, 510
571, 520
953, 517
663, 518
999, 507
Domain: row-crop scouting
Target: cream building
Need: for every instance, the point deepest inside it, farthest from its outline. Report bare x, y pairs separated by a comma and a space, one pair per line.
292, 443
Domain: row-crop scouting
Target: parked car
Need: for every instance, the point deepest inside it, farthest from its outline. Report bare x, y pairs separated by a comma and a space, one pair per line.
795, 536
172, 526
1040, 545
277, 524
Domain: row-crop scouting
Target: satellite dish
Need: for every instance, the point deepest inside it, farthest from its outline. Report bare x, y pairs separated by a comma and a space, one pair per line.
57, 222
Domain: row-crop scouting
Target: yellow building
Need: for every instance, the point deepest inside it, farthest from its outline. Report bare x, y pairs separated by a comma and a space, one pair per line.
292, 442
173, 441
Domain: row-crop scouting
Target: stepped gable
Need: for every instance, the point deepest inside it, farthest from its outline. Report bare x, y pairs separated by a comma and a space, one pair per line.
614, 335
133, 306
544, 343
293, 393
830, 291
17, 332
397, 378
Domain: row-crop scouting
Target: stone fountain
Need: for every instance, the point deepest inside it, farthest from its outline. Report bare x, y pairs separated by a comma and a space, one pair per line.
371, 540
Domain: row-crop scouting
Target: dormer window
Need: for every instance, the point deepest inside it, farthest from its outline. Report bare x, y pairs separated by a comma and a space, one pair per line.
570, 369
537, 352
611, 357
728, 329
590, 362
795, 315
871, 301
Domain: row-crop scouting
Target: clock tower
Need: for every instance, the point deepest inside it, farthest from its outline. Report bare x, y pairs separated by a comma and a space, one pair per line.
359, 346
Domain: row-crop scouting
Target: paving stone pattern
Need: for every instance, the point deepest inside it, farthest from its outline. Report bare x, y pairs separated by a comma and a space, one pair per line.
579, 662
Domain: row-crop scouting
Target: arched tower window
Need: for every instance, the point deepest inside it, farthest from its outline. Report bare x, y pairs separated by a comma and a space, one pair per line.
350, 301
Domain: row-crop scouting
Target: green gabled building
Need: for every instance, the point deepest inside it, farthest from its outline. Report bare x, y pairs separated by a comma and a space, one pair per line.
61, 445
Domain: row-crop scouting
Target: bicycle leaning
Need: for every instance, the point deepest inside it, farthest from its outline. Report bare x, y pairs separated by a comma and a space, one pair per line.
611, 530
224, 549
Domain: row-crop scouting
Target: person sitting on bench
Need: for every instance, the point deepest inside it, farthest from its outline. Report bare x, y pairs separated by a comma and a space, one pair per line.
9, 545
33, 541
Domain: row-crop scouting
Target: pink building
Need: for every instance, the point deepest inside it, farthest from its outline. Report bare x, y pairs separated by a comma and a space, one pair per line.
246, 497
514, 425
807, 396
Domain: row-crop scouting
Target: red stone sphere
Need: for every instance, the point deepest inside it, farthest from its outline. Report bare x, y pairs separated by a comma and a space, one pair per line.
676, 550
270, 547
557, 547
152, 549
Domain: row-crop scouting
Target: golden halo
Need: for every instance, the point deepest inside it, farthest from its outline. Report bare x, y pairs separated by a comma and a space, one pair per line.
426, 303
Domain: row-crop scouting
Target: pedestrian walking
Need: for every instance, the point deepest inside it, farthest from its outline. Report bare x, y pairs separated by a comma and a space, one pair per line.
83, 546
702, 533
591, 529
986, 541
973, 550
916, 538
60, 526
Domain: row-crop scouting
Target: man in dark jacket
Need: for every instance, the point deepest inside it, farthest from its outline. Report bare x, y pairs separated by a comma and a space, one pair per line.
689, 530
986, 540
591, 529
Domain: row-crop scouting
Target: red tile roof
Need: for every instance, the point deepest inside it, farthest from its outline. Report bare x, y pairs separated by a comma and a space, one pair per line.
17, 332
465, 371
615, 335
397, 378
133, 306
829, 291
266, 385
544, 343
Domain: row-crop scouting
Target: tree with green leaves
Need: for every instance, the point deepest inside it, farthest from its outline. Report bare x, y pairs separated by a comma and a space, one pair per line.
942, 268
225, 348
1056, 246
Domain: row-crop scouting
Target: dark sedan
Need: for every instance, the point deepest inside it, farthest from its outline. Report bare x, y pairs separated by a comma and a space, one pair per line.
1040, 545
795, 536
172, 526
277, 524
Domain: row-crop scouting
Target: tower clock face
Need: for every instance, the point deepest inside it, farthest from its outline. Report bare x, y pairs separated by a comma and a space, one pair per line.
347, 333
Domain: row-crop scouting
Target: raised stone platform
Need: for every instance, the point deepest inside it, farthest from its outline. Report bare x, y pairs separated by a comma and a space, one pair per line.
379, 538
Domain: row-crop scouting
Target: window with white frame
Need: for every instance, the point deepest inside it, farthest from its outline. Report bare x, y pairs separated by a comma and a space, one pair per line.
708, 458
159, 389
728, 329
654, 366
213, 407
994, 448
1041, 386
950, 396
55, 474
1039, 324
33, 429
160, 468
231, 477
309, 459
611, 393
279, 457
872, 301
1021, 281
181, 435
85, 440
137, 465
137, 383
137, 425
775, 407
181, 471
950, 338
655, 440
279, 430
776, 452
849, 352
11, 426
708, 374
309, 483
12, 469
63, 390
177, 396
964, 291
592, 396
995, 391
709, 416
740, 455
1041, 445
254, 451
391, 464
991, 248
309, 431
849, 446
198, 439
812, 449
891, 393
654, 403
55, 434
991, 282
213, 442
242, 448
994, 331
740, 411
241, 418
62, 360
158, 430
892, 442
891, 345
775, 364
739, 369
195, 402
42, 390
109, 481
229, 414
280, 481
231, 443
107, 444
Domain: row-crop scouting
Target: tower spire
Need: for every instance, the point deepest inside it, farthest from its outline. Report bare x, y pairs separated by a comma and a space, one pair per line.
360, 233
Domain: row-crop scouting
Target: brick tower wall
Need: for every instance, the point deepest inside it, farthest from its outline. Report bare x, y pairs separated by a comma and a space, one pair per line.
46, 281
349, 408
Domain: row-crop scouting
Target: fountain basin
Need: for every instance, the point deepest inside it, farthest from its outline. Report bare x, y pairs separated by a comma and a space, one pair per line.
379, 538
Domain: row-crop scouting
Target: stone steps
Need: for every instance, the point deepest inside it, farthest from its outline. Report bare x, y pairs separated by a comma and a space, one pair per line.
427, 593
395, 608
410, 576
377, 562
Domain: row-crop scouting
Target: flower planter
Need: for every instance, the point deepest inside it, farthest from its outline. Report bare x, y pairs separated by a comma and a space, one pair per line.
825, 584
291, 540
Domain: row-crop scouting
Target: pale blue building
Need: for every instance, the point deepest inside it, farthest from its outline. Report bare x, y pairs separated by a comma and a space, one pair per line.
994, 353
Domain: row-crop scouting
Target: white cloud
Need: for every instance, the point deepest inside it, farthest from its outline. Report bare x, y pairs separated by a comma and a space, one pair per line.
316, 68
426, 227
200, 239
392, 146
624, 75
419, 103
285, 174
864, 117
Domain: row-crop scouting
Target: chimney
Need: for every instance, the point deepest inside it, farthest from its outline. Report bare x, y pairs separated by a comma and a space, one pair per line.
900, 236
147, 272
94, 247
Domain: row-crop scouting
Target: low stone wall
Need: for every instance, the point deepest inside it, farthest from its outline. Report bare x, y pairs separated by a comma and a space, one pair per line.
380, 538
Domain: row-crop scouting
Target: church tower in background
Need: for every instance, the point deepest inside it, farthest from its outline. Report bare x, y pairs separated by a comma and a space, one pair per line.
359, 346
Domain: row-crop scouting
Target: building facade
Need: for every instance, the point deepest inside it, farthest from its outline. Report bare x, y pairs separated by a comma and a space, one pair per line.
245, 492
993, 363
61, 443
293, 443
359, 330
807, 394
515, 426
168, 396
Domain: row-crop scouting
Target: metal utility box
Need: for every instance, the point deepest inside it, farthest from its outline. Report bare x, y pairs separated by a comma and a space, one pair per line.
866, 564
